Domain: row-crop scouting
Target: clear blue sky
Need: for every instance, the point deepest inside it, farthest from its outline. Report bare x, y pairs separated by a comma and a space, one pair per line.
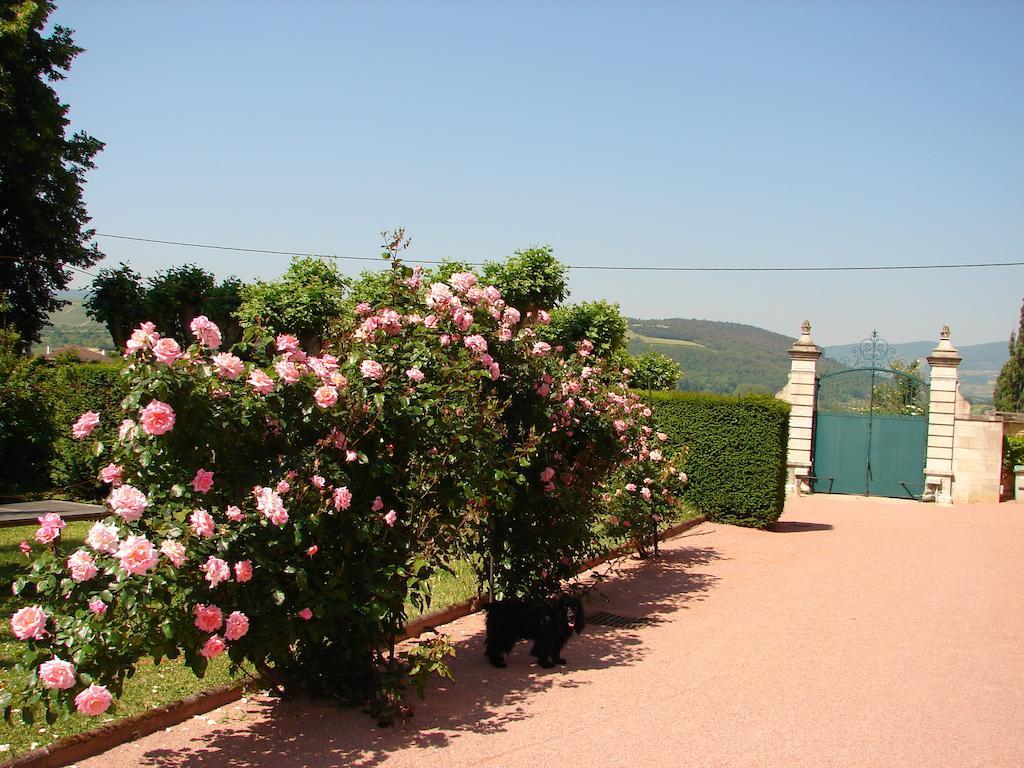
734, 134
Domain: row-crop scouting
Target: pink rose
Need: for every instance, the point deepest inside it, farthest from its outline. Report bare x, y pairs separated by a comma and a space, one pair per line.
103, 538
227, 366
283, 486
97, 606
351, 456
656, 455
243, 571
326, 396
167, 351
547, 475
462, 281
415, 374
440, 295
237, 626
631, 487
25, 547
430, 321
29, 623
214, 646
342, 498
202, 523
173, 551
305, 614
111, 474
662, 436
476, 343
125, 430
86, 423
203, 481
463, 319
541, 348
142, 337
82, 566
287, 343
137, 555
260, 382
57, 673
128, 502
269, 503
288, 371
206, 331
216, 571
390, 518
377, 505
157, 418
646, 493
208, 617
93, 701
363, 309
318, 481
312, 551
371, 369
50, 527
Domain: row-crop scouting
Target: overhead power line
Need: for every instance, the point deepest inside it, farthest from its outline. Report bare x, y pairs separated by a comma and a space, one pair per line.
599, 267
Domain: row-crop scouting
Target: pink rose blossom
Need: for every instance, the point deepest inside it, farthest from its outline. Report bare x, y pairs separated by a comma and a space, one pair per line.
167, 351
208, 617
318, 481
494, 370
237, 626
305, 614
202, 523
631, 487
390, 518
326, 396
243, 571
142, 337
203, 481
511, 316
547, 475
287, 343
463, 319
646, 493
656, 455
439, 296
111, 474
82, 566
662, 436
86, 423
49, 527
430, 321
541, 348
269, 503
351, 456
206, 331
312, 551
288, 371
543, 317
233, 513
363, 309
216, 571
157, 418
342, 498
260, 382
476, 343
125, 430
93, 701
103, 538
371, 369
97, 606
128, 502
228, 366
25, 547
29, 623
137, 555
283, 486
214, 647
415, 374
378, 504
462, 281
57, 673
174, 551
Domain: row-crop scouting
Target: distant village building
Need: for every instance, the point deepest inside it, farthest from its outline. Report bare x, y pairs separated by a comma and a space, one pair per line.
84, 354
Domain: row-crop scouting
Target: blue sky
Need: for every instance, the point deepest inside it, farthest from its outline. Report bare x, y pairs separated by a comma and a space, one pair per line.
677, 134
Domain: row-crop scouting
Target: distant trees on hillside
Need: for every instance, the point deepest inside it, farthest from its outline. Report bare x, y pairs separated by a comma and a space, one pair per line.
1009, 390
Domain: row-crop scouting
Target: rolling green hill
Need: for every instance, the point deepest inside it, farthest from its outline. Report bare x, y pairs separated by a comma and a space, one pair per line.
72, 326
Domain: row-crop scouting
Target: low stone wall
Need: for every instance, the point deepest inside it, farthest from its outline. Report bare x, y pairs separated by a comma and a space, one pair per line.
978, 457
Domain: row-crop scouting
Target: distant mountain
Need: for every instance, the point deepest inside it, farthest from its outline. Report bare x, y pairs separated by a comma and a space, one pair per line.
72, 326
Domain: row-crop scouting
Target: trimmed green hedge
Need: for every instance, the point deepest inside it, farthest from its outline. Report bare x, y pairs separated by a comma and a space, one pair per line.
736, 452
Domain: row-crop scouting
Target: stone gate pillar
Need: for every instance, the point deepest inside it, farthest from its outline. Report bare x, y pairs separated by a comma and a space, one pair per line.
800, 392
938, 469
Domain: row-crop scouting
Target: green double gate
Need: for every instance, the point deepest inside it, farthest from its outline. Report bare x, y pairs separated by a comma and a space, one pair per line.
870, 454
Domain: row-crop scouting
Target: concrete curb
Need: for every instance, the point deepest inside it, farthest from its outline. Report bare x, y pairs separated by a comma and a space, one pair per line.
82, 745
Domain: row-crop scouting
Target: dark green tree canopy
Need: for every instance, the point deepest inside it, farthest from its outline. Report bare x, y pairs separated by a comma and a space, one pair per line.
529, 280
1009, 390
653, 370
599, 321
42, 216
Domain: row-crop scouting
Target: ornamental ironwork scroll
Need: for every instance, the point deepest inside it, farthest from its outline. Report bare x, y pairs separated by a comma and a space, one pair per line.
872, 352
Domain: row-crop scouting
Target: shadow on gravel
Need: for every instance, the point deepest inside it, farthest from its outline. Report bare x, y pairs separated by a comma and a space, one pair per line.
794, 526
482, 700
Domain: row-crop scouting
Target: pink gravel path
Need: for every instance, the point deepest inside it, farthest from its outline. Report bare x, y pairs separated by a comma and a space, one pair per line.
861, 633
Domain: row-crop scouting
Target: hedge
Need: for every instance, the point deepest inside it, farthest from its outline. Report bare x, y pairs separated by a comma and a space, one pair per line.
736, 452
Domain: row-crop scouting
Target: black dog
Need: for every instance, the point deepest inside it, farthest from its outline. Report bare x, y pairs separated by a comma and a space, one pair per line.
549, 623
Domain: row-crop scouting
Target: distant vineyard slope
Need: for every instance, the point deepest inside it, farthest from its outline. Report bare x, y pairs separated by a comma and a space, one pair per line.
72, 326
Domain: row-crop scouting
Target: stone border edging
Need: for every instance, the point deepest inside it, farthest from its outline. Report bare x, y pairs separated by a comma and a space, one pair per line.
90, 743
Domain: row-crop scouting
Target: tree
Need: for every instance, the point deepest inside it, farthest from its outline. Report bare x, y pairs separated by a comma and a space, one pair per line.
1009, 390
308, 301
43, 219
653, 370
529, 280
599, 321
118, 300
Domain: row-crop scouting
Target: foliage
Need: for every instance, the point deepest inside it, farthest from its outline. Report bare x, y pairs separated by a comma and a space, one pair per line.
736, 461
308, 300
653, 370
26, 432
1013, 452
600, 322
1009, 390
43, 216
530, 280
118, 300
313, 498
902, 392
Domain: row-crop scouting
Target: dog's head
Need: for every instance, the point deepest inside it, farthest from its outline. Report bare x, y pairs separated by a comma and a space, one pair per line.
575, 618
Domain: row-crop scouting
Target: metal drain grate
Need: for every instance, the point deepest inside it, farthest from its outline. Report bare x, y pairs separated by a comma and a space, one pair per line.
606, 619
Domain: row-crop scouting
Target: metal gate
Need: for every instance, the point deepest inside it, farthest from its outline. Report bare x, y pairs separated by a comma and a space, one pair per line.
871, 425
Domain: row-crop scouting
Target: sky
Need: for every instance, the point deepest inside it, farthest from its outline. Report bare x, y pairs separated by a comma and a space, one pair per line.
735, 134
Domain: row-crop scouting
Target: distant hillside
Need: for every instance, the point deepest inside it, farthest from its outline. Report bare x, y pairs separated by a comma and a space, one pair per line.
72, 326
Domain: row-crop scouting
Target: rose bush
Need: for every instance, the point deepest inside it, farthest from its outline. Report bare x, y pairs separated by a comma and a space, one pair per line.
284, 508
